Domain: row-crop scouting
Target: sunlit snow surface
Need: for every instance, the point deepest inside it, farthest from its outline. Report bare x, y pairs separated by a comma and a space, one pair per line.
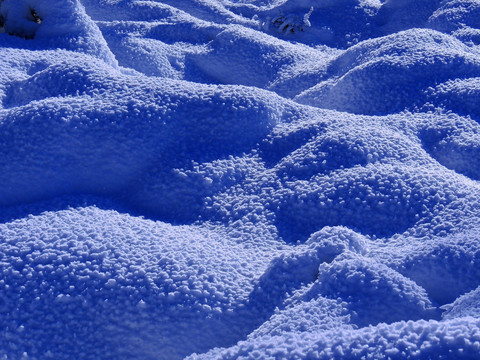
249, 179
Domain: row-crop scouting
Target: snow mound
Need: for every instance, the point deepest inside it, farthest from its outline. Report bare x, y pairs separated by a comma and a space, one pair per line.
463, 306
374, 293
237, 51
94, 283
454, 339
459, 18
88, 109
389, 74
460, 95
55, 24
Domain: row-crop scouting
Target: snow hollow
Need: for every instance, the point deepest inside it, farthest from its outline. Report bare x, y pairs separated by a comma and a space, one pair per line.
239, 179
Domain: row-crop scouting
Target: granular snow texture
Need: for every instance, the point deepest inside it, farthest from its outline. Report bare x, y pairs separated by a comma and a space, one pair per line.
239, 179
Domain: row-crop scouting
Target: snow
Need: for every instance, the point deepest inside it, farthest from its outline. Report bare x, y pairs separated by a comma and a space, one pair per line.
249, 179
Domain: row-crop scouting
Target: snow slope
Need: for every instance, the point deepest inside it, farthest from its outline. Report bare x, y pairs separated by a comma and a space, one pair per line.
239, 179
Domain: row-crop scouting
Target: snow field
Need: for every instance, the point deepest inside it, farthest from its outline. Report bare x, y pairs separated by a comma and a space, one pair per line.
218, 179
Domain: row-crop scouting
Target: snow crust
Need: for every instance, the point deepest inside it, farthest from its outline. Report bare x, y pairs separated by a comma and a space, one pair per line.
248, 179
